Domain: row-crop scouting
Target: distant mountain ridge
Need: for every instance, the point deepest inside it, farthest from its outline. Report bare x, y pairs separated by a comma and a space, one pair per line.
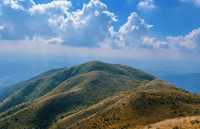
94, 95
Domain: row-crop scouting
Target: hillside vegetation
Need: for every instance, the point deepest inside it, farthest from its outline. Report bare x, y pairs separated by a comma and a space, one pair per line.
177, 123
95, 95
149, 103
46, 82
44, 99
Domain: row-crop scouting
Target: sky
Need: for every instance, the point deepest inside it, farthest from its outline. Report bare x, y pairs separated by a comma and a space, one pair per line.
36, 35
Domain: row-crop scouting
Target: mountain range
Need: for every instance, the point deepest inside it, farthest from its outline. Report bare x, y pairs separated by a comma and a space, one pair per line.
97, 95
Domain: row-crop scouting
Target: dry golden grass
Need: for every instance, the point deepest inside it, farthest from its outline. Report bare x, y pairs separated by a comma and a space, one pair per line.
154, 102
177, 123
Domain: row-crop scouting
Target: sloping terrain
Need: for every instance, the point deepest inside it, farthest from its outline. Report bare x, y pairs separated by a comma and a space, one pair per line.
95, 95
177, 123
150, 103
46, 82
42, 100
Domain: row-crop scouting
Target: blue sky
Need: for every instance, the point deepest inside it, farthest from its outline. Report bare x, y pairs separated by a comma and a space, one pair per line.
42, 34
150, 25
172, 17
169, 18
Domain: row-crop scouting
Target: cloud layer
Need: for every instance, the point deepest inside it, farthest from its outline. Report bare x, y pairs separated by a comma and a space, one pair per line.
91, 26
146, 5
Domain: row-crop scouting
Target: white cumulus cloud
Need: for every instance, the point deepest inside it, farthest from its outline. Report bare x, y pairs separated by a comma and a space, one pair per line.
132, 32
90, 26
195, 2
152, 42
85, 27
18, 4
188, 41
62, 5
146, 5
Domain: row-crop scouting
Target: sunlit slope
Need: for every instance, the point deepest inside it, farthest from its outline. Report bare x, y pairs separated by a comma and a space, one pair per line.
85, 85
46, 82
149, 103
177, 123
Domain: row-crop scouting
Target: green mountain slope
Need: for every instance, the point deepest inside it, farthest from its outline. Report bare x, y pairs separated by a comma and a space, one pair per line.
38, 102
94, 95
46, 82
134, 108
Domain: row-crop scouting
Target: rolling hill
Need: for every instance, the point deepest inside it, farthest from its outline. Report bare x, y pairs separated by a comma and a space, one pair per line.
46, 82
149, 103
67, 90
94, 95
